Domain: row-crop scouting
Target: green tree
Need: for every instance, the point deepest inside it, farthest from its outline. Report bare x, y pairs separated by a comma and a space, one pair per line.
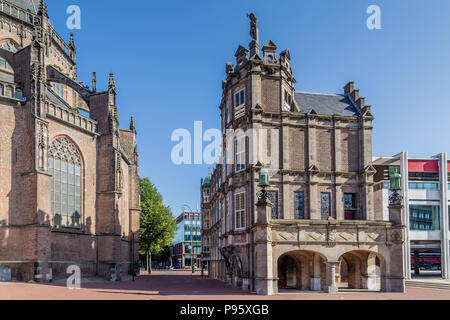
157, 223
163, 255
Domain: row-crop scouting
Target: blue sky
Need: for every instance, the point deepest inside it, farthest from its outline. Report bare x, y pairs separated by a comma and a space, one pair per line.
169, 59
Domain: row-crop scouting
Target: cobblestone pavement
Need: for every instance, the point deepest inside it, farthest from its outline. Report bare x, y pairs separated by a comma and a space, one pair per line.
182, 285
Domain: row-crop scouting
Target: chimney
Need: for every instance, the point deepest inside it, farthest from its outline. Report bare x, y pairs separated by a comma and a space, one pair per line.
349, 87
94, 82
355, 95
360, 102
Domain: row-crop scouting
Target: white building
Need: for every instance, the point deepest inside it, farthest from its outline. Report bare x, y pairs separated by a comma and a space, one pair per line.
426, 195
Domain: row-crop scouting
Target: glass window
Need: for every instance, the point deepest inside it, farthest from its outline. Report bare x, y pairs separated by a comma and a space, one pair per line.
423, 186
239, 98
273, 197
65, 167
349, 206
325, 205
424, 217
239, 204
299, 205
240, 153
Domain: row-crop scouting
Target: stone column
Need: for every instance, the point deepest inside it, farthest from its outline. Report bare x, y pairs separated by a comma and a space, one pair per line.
370, 276
315, 279
339, 203
392, 275
416, 263
266, 282
331, 286
314, 201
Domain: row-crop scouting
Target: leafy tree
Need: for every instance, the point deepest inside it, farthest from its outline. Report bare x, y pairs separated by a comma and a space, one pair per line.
157, 223
163, 255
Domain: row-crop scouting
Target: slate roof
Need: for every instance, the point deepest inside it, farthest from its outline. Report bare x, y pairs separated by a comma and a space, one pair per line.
32, 5
326, 104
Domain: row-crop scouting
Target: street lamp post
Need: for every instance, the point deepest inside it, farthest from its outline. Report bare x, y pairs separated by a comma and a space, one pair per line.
395, 198
263, 182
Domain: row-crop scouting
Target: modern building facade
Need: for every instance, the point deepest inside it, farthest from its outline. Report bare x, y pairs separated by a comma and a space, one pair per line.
426, 197
69, 187
187, 244
322, 229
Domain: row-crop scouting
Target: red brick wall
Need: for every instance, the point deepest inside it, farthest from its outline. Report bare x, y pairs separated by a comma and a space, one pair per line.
349, 151
325, 147
298, 156
270, 95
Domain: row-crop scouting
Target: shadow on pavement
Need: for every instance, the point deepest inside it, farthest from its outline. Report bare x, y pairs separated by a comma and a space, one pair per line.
167, 283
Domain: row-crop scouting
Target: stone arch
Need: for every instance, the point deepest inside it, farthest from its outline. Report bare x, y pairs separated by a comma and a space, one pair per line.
9, 44
361, 269
236, 269
54, 74
301, 270
75, 144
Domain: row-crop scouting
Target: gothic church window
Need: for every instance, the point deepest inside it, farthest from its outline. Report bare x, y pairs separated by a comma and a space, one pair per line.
64, 163
9, 46
5, 65
58, 88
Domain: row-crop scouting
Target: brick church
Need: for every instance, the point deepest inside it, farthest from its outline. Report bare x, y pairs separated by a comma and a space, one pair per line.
69, 186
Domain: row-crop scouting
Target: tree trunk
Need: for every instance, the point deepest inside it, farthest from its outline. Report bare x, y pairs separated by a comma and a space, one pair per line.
149, 262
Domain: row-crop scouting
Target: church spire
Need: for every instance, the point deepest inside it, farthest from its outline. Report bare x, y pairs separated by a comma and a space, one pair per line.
254, 33
72, 42
43, 8
132, 126
111, 85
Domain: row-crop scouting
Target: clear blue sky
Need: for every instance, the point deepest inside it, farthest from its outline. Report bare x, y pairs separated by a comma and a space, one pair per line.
169, 59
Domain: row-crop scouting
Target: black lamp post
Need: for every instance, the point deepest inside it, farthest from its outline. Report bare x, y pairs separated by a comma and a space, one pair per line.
395, 198
263, 182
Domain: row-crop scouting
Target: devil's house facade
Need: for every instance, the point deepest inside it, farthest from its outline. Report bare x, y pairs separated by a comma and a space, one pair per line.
69, 189
320, 230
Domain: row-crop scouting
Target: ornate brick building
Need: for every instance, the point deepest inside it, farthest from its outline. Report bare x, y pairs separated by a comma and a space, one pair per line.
321, 231
69, 190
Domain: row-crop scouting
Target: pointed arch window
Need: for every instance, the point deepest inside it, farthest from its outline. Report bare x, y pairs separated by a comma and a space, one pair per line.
64, 163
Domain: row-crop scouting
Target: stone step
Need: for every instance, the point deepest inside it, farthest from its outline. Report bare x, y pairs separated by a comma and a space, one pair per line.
428, 284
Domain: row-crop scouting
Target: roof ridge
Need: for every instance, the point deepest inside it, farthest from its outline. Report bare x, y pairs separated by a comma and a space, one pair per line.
321, 93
